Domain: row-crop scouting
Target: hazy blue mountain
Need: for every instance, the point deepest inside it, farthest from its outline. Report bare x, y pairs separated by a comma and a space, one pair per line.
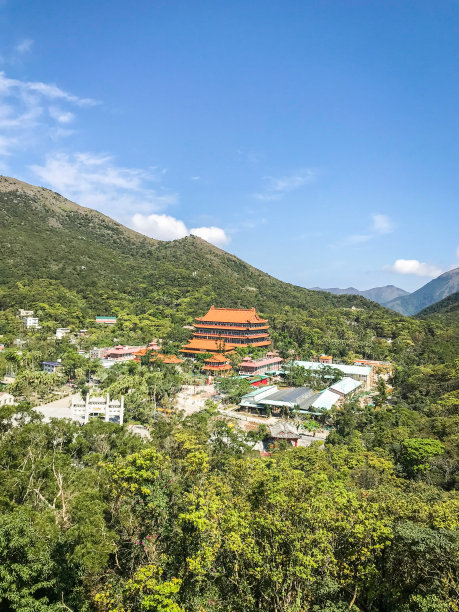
434, 291
377, 294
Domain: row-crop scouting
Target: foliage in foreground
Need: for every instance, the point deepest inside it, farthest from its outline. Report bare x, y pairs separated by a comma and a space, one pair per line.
193, 520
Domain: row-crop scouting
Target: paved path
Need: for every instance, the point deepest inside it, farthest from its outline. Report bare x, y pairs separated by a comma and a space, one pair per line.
59, 409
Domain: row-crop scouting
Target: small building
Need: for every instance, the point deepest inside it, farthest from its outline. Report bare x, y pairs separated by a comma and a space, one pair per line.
61, 332
275, 399
31, 322
362, 373
335, 394
378, 368
51, 366
109, 410
270, 363
345, 387
169, 359
218, 365
258, 381
284, 431
6, 399
98, 352
122, 353
324, 401
326, 359
104, 320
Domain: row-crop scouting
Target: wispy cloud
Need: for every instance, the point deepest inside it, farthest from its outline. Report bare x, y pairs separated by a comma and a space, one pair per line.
276, 188
32, 112
415, 267
358, 238
60, 115
46, 90
165, 227
382, 224
24, 46
96, 181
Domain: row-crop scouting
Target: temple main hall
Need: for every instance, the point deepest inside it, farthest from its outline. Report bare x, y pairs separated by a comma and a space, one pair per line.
223, 329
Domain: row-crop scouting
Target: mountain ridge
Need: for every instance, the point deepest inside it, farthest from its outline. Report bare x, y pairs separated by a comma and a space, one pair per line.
430, 293
381, 295
45, 236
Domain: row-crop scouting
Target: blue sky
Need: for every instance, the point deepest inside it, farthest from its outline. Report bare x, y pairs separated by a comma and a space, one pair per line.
316, 140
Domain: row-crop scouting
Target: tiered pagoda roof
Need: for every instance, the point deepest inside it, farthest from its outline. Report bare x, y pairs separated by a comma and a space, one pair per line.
221, 330
232, 315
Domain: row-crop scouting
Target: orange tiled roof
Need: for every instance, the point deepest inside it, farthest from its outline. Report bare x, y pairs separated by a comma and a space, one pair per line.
217, 358
211, 346
168, 358
221, 368
232, 315
223, 328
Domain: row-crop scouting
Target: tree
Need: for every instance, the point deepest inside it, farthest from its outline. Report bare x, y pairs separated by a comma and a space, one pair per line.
416, 454
27, 569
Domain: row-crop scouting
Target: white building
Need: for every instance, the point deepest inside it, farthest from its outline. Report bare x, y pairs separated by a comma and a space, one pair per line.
31, 322
51, 366
98, 353
6, 399
61, 332
110, 410
361, 373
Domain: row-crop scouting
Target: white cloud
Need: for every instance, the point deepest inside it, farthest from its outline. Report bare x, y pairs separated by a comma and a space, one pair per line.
165, 227
96, 181
24, 46
382, 224
60, 115
215, 235
161, 227
413, 266
276, 188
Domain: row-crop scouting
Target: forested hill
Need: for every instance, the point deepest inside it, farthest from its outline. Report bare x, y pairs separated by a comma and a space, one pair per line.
447, 310
45, 236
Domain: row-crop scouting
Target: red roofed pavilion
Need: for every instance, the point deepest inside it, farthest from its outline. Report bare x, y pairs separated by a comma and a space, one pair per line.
223, 329
217, 364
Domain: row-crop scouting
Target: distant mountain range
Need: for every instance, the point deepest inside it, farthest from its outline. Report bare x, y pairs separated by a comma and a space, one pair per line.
434, 291
381, 295
407, 303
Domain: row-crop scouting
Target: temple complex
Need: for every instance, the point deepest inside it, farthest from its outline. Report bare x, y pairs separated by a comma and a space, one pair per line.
223, 329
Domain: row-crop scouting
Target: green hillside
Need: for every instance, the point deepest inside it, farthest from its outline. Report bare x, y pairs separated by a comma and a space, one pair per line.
446, 310
45, 236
